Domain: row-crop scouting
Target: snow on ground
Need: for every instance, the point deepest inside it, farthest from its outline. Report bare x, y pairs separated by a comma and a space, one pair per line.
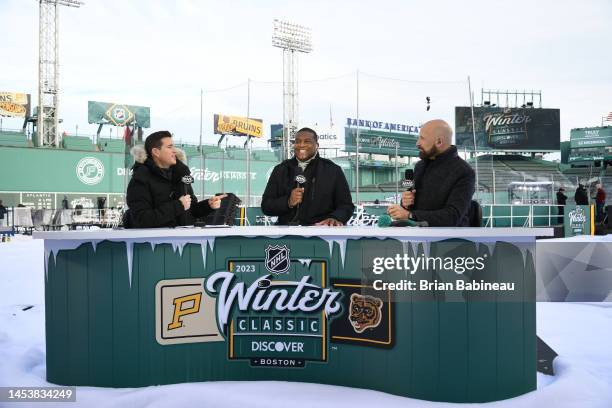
581, 333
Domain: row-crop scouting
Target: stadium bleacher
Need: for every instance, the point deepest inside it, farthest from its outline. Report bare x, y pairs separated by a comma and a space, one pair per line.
13, 139
77, 143
111, 145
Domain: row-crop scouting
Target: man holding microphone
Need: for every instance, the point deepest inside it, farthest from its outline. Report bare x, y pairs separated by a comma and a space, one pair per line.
159, 193
308, 189
443, 182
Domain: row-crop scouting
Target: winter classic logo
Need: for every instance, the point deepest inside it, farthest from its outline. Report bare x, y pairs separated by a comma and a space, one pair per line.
277, 259
577, 216
275, 323
577, 219
271, 323
90, 171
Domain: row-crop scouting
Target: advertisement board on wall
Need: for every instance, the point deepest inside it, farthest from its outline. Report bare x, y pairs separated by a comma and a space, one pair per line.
237, 126
15, 105
591, 137
118, 114
380, 142
517, 129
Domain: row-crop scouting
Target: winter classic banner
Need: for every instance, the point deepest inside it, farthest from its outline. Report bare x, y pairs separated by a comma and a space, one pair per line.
394, 315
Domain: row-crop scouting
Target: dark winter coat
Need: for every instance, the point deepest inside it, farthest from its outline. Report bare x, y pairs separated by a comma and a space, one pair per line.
326, 193
561, 198
444, 189
581, 197
153, 197
600, 197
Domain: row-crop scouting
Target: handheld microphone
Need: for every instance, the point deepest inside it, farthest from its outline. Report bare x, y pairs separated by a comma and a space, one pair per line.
187, 181
408, 182
300, 180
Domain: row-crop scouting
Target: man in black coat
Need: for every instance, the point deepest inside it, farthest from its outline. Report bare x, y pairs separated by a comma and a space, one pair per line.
156, 194
561, 201
581, 197
324, 198
3, 211
443, 182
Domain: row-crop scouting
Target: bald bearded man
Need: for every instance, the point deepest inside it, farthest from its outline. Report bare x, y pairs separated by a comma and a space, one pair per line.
443, 181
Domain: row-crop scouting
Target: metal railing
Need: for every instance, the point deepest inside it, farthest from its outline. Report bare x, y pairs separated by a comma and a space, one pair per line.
26, 220
528, 215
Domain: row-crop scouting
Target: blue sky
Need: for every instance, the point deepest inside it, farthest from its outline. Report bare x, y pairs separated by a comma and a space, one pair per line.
159, 53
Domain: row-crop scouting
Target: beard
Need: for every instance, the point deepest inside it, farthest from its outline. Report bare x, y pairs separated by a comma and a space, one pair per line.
428, 154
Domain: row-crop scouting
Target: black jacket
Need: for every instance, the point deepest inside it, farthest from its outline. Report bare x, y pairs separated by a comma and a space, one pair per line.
561, 198
581, 197
326, 193
153, 198
444, 189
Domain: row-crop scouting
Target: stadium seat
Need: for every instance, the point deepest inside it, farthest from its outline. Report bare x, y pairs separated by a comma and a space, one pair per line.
111, 145
77, 143
14, 139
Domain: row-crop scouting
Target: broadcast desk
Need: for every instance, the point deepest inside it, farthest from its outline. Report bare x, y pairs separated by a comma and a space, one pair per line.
433, 313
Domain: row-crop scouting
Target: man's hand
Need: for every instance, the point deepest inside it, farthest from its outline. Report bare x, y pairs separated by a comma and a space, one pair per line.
296, 197
186, 201
215, 202
330, 222
398, 213
408, 198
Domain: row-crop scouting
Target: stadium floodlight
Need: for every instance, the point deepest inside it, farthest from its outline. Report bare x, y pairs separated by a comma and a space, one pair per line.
69, 3
48, 70
291, 38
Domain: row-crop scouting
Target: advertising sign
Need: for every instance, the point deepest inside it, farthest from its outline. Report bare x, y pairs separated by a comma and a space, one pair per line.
118, 114
587, 154
591, 137
13, 104
380, 142
348, 310
237, 126
380, 125
578, 220
515, 129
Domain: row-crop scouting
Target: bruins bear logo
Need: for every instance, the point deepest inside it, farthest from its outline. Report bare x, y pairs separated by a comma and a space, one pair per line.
366, 312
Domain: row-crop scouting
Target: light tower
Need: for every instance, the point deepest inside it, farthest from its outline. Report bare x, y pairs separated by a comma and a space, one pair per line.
48, 70
291, 38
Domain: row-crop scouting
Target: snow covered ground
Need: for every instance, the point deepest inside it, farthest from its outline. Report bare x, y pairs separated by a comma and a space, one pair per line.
580, 332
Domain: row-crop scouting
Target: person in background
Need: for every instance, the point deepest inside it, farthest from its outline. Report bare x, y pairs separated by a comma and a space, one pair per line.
3, 211
600, 202
561, 201
581, 197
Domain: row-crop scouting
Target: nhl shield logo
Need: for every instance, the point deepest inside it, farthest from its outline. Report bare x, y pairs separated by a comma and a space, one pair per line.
277, 259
